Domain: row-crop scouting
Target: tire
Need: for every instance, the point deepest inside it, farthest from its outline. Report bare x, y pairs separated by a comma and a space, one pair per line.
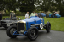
48, 27
10, 31
32, 33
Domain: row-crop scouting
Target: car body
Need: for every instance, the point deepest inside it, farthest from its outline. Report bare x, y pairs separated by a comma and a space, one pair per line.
28, 27
42, 14
54, 16
7, 22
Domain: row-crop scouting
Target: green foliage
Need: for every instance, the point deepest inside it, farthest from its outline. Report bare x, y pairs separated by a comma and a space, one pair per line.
7, 12
24, 5
18, 13
52, 5
28, 5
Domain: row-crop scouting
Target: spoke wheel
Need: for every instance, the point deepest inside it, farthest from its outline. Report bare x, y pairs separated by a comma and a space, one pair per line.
10, 31
32, 33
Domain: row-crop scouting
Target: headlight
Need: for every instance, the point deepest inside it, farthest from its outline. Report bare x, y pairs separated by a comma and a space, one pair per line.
21, 21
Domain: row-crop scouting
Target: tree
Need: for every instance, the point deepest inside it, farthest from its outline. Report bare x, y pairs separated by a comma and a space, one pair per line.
27, 5
1, 5
60, 7
52, 5
24, 5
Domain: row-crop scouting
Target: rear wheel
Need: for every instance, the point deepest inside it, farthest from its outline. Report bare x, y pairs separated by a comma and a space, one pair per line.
32, 33
48, 27
10, 32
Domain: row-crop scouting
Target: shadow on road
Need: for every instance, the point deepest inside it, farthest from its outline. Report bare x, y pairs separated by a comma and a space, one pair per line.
18, 39
43, 32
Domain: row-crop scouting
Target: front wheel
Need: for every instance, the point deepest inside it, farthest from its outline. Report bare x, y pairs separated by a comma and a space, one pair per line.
10, 31
32, 33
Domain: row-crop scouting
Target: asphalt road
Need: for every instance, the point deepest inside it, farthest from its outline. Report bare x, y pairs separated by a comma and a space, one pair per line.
53, 36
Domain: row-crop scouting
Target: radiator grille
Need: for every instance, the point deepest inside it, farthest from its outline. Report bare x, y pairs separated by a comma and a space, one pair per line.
20, 26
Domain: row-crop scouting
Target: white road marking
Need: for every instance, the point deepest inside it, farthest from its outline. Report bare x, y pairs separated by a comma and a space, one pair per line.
49, 37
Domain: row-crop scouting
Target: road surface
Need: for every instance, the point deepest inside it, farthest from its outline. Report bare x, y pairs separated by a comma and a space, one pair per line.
53, 36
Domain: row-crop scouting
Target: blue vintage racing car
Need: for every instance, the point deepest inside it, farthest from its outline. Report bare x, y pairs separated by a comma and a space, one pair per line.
28, 27
41, 14
53, 16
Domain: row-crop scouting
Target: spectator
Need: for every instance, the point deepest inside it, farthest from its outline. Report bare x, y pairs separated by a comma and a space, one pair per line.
14, 15
32, 14
56, 12
27, 15
54, 15
11, 14
0, 16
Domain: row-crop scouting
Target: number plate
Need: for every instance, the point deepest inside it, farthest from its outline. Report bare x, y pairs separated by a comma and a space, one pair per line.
8, 24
